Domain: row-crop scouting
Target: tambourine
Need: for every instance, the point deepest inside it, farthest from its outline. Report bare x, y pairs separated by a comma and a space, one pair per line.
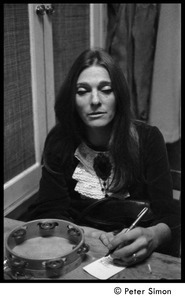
45, 248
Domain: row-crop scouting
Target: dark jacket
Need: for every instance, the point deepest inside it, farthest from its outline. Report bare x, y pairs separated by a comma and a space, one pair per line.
57, 198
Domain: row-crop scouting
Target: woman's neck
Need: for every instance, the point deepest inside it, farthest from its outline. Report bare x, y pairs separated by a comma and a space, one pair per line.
98, 137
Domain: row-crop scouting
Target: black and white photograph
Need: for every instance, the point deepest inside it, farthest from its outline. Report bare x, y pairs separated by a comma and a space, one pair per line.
92, 147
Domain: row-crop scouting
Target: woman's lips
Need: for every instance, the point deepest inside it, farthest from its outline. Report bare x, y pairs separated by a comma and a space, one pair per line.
96, 113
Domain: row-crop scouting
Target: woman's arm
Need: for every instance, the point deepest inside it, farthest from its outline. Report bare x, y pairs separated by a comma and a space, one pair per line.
164, 233
159, 187
53, 199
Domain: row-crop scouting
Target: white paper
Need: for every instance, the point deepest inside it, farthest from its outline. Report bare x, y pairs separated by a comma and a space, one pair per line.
103, 268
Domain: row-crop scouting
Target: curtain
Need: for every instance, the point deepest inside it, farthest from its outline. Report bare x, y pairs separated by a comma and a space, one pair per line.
166, 85
131, 39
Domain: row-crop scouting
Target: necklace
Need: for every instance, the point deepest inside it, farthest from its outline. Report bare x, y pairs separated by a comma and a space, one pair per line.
104, 186
103, 167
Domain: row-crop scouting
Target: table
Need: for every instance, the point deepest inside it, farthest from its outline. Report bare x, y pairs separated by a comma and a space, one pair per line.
163, 266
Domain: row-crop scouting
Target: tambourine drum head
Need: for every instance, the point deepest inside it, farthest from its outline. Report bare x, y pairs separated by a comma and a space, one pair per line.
44, 248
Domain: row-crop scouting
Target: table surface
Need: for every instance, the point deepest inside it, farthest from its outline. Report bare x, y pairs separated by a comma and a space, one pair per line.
162, 266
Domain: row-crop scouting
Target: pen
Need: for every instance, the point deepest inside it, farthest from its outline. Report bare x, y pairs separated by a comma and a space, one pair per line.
139, 216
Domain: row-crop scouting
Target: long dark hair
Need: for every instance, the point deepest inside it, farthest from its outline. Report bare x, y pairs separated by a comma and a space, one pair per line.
124, 143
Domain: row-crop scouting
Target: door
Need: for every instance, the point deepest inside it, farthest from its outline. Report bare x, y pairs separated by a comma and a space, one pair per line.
37, 56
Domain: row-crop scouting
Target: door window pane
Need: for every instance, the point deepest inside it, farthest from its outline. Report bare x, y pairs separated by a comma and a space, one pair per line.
19, 152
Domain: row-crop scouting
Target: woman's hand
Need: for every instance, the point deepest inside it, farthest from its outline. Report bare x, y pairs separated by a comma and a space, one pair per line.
107, 237
135, 245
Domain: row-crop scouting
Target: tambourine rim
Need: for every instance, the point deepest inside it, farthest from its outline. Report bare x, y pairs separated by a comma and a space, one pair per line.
13, 253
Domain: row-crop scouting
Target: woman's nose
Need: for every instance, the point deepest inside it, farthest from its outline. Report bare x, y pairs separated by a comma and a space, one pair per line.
95, 99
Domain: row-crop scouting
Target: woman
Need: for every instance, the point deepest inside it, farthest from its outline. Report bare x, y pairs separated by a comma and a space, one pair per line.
99, 163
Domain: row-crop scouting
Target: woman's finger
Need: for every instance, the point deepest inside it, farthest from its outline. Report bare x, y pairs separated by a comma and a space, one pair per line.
133, 259
126, 250
106, 238
125, 238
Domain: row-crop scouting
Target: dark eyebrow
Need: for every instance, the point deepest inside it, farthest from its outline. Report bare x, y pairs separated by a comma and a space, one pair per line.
82, 84
100, 85
104, 83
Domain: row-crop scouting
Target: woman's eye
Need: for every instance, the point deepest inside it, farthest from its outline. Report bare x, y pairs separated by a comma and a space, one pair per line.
107, 91
81, 92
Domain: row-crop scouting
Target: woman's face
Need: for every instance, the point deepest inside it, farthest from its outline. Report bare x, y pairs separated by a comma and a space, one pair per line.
95, 100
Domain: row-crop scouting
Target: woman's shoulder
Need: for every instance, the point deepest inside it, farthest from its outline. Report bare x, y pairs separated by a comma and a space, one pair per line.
54, 142
54, 136
58, 138
146, 129
148, 134
58, 148
141, 125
